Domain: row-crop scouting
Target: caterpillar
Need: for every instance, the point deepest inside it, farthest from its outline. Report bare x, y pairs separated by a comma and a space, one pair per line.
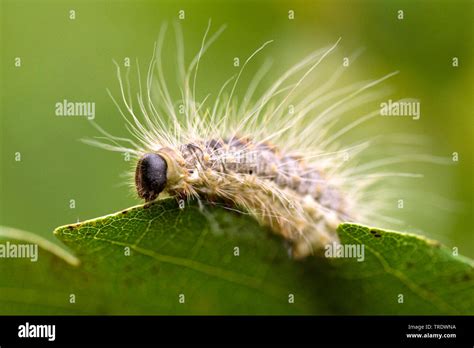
278, 189
286, 170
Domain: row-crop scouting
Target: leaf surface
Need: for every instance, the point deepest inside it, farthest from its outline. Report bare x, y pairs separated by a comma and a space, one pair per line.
160, 259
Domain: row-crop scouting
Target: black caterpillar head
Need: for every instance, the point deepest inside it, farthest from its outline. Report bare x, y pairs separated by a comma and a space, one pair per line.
150, 176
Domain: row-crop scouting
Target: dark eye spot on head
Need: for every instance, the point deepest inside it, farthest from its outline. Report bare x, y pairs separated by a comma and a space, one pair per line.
150, 176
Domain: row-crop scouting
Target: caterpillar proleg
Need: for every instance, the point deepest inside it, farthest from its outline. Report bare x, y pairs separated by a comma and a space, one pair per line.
285, 169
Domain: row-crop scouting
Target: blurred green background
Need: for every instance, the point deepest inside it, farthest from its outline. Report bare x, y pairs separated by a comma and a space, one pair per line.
72, 59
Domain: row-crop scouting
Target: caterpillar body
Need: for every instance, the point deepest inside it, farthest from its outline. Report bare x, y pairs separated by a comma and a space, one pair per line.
286, 170
279, 190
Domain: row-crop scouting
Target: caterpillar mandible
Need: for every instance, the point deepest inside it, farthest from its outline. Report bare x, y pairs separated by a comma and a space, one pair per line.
287, 172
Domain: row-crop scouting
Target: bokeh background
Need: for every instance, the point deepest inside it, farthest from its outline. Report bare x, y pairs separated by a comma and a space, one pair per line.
72, 59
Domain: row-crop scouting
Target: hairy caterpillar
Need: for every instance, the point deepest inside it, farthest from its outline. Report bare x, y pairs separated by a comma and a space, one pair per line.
287, 172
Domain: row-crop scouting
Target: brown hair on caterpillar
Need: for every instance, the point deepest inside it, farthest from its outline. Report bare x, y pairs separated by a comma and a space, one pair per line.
280, 190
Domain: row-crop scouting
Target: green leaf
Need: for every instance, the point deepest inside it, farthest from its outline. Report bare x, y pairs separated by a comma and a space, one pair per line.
139, 261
